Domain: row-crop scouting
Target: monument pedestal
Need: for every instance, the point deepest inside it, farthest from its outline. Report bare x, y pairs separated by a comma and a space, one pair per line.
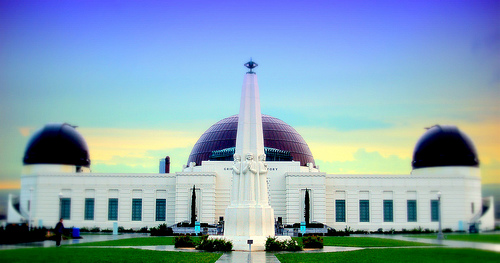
249, 222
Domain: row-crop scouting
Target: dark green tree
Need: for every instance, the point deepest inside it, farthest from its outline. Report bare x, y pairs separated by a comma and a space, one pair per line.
193, 206
307, 207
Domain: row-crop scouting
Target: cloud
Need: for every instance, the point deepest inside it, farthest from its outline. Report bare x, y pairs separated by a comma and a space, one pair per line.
26, 131
106, 143
365, 162
490, 172
10, 184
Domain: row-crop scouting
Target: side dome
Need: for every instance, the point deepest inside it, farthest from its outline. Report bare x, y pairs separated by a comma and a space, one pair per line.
444, 145
57, 144
280, 139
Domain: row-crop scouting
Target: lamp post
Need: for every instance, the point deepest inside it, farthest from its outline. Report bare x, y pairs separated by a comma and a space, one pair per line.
440, 235
30, 208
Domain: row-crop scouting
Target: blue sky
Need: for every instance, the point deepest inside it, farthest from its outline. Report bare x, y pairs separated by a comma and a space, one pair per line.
144, 79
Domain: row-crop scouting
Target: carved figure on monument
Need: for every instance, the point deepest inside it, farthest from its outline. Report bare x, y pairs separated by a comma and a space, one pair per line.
236, 179
263, 180
249, 171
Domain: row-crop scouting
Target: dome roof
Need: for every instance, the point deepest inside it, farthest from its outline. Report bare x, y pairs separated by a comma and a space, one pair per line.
57, 144
444, 145
277, 135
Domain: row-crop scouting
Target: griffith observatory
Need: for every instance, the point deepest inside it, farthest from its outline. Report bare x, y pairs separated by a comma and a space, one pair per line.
270, 186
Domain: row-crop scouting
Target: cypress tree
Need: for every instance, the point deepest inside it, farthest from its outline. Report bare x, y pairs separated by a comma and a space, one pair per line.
307, 207
193, 206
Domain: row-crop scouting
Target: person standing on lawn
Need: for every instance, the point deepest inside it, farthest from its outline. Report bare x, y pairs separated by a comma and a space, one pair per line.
59, 230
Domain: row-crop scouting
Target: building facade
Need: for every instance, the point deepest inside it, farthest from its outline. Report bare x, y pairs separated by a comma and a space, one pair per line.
445, 184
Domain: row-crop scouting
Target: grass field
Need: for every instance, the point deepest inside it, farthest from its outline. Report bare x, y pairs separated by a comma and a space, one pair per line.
77, 254
485, 238
368, 242
328, 241
418, 255
138, 241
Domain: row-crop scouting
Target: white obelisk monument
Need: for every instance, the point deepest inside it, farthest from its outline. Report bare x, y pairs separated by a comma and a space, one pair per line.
249, 217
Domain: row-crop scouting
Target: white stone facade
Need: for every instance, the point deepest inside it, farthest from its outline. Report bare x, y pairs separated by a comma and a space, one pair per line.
287, 181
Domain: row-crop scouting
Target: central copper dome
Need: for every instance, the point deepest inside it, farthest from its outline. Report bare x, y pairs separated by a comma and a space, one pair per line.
277, 135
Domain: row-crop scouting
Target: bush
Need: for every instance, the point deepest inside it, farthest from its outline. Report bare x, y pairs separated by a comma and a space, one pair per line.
390, 231
273, 244
12, 234
161, 230
184, 241
123, 230
428, 231
214, 244
312, 242
333, 232
360, 231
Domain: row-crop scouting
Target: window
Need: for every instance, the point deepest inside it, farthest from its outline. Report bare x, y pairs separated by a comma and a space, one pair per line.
411, 206
136, 209
364, 210
340, 210
161, 205
434, 210
89, 208
113, 209
388, 211
65, 208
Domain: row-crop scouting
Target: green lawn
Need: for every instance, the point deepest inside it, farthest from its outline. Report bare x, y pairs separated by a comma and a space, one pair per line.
485, 238
417, 255
137, 241
76, 254
368, 242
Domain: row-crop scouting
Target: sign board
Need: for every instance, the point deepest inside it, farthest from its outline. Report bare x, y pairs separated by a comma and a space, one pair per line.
250, 241
197, 228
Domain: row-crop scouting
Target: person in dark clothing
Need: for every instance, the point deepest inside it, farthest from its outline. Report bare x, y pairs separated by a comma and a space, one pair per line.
59, 230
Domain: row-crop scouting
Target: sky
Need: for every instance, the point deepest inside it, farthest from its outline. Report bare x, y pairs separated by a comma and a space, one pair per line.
359, 80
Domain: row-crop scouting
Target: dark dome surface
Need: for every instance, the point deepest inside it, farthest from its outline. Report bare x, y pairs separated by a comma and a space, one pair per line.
444, 145
57, 144
277, 134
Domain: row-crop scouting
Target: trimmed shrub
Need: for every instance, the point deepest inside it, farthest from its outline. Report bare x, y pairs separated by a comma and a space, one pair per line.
184, 241
214, 244
273, 244
312, 242
333, 232
161, 230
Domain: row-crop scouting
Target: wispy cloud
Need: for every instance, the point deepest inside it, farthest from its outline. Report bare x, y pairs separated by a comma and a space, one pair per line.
137, 150
365, 162
490, 172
